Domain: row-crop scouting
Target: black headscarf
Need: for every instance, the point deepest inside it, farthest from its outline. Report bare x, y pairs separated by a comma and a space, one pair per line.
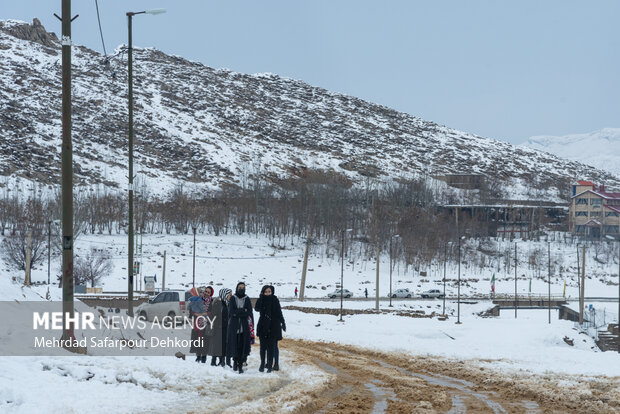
237, 293
267, 301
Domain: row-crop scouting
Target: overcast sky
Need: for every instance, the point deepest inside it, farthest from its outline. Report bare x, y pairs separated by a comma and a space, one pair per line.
505, 71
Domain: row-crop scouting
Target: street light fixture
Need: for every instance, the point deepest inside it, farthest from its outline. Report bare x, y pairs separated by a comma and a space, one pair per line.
130, 187
618, 240
391, 238
342, 272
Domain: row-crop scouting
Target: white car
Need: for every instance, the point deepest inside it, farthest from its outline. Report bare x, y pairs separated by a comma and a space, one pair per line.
170, 303
433, 293
336, 294
402, 293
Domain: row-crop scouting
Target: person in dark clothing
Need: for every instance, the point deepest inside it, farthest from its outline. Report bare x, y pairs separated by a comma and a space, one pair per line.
276, 352
269, 328
238, 333
225, 295
366, 292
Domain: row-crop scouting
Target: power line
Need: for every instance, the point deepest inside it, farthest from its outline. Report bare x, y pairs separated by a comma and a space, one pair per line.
101, 31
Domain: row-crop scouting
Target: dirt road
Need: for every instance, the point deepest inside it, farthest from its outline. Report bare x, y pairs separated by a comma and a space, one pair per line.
364, 381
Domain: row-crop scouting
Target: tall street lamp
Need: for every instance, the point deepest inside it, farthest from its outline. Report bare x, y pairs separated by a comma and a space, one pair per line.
130, 187
458, 308
445, 259
611, 238
194, 261
342, 272
391, 238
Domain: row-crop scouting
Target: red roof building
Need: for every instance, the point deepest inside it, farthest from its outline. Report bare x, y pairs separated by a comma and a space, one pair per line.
594, 212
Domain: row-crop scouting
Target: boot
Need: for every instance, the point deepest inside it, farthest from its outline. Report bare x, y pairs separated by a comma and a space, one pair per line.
276, 367
228, 362
222, 362
213, 361
197, 358
235, 365
268, 370
203, 359
262, 366
240, 367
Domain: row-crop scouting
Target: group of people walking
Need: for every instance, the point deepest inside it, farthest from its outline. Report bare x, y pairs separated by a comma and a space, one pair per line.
223, 327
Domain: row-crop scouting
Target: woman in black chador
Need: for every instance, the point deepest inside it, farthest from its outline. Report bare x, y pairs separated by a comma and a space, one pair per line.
238, 333
269, 328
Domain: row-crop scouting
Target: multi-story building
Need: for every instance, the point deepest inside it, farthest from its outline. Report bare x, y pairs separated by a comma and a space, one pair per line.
594, 212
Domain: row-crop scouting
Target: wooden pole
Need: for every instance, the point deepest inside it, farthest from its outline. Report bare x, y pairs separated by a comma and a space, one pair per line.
304, 271
377, 281
28, 253
583, 280
549, 276
163, 276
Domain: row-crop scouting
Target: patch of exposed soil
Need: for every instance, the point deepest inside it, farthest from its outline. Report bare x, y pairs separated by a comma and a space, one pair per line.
365, 381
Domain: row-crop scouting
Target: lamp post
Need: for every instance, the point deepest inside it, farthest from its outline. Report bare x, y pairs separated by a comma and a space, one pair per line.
611, 238
130, 186
458, 307
445, 259
391, 238
342, 272
49, 250
194, 260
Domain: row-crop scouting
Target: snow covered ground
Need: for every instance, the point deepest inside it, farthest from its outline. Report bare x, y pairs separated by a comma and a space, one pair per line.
224, 260
528, 342
146, 384
166, 384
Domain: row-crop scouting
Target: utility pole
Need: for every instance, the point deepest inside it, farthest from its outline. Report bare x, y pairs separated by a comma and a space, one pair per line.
458, 306
341, 275
516, 298
390, 271
578, 275
304, 270
377, 279
194, 261
163, 276
49, 248
583, 280
28, 256
130, 186
549, 277
67, 177
445, 259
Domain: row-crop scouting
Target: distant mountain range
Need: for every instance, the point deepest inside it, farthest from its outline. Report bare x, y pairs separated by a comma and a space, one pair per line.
211, 128
600, 149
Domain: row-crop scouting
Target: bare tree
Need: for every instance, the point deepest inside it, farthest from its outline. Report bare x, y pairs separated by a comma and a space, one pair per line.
92, 267
29, 219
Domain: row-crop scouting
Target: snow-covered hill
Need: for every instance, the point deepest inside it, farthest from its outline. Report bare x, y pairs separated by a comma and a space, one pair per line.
600, 149
211, 128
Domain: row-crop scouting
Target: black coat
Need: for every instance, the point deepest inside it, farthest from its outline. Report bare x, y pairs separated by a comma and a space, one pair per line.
224, 327
215, 341
238, 317
271, 318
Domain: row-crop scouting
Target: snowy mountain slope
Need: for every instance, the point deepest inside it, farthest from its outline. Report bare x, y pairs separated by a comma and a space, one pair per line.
600, 149
213, 128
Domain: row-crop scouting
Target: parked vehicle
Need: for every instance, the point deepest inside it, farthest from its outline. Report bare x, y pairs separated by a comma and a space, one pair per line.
167, 303
336, 294
433, 293
402, 293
